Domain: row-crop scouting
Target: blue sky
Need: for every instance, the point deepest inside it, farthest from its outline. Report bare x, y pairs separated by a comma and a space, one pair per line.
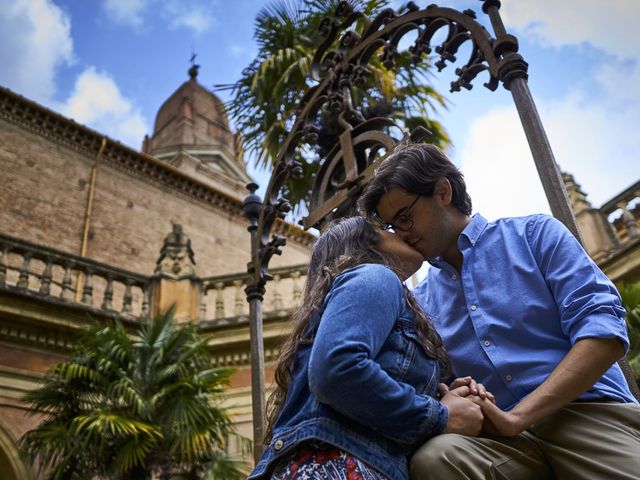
110, 64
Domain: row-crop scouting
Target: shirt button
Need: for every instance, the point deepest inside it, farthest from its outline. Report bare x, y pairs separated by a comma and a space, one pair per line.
454, 277
509, 378
487, 343
278, 445
473, 307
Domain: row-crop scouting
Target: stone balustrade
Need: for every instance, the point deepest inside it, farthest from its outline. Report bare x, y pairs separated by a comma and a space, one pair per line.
623, 213
223, 299
58, 276
53, 275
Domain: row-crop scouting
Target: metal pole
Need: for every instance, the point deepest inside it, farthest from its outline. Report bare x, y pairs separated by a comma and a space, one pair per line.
255, 294
548, 170
257, 367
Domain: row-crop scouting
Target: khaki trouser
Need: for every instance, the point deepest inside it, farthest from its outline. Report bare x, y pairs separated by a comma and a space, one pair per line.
584, 440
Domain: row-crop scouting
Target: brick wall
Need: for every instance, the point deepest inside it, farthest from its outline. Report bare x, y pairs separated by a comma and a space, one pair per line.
44, 193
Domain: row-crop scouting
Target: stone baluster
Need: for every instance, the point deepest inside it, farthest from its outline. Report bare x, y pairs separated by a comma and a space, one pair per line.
108, 294
277, 296
67, 289
203, 302
240, 300
297, 291
629, 220
23, 279
45, 279
219, 286
128, 297
146, 294
3, 266
87, 288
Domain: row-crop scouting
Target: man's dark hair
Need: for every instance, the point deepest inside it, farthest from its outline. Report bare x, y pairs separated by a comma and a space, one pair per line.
415, 168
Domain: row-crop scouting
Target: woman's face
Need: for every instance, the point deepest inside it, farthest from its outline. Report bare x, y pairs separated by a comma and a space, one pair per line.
406, 257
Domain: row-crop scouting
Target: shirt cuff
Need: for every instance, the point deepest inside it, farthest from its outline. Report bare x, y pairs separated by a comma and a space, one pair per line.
602, 326
435, 423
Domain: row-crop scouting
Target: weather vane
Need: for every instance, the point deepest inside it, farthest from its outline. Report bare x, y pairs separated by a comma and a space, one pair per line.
193, 71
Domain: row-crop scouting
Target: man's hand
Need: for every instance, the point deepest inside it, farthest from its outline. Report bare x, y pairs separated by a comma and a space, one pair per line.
497, 421
465, 417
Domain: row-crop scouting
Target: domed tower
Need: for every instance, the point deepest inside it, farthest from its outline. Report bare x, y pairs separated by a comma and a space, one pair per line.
192, 133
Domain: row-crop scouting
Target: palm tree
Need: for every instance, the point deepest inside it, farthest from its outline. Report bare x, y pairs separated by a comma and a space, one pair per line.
630, 294
266, 97
134, 406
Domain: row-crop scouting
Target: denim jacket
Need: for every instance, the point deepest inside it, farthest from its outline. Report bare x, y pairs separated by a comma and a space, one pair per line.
364, 385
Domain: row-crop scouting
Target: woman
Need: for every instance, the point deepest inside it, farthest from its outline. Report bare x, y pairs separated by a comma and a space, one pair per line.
358, 377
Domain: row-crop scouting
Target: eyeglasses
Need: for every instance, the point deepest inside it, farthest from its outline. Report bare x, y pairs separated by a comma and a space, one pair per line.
402, 222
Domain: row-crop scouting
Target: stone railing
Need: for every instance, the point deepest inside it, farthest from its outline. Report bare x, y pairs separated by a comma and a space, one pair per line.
54, 275
223, 299
59, 277
623, 213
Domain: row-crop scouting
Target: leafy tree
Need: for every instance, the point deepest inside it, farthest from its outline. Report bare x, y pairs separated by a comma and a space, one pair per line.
128, 407
268, 93
630, 294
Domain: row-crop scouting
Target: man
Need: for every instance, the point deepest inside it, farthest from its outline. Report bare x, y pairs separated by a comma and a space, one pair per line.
524, 310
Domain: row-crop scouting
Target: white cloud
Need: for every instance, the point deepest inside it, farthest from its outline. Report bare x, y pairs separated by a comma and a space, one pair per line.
193, 15
611, 25
127, 12
498, 167
596, 144
237, 50
35, 40
97, 102
599, 144
618, 81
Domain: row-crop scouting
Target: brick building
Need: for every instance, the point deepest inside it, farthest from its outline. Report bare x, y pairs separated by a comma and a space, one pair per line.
92, 228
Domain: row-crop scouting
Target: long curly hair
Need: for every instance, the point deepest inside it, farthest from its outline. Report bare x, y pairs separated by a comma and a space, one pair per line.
345, 243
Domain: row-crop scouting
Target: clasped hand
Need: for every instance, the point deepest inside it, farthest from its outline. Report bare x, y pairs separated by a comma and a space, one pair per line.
472, 410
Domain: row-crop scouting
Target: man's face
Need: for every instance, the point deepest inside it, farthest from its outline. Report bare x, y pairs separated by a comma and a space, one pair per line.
420, 221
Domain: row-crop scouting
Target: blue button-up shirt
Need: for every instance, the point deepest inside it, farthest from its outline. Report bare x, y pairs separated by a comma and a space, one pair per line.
527, 292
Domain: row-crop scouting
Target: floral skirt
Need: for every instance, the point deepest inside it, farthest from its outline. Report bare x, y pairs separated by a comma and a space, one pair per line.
321, 461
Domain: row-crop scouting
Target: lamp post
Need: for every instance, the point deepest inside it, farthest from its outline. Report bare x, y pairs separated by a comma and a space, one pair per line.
255, 294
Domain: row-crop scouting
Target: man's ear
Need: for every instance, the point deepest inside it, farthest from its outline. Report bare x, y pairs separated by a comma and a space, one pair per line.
443, 191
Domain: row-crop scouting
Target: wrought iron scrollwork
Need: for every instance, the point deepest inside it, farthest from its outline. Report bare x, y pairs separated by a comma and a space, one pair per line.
343, 62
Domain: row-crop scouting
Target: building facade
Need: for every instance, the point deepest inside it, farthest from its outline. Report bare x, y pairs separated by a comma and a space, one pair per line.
91, 229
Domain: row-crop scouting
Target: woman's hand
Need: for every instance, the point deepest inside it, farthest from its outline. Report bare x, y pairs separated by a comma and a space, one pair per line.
465, 416
473, 388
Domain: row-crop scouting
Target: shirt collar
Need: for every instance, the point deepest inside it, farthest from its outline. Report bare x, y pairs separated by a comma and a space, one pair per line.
471, 232
474, 229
